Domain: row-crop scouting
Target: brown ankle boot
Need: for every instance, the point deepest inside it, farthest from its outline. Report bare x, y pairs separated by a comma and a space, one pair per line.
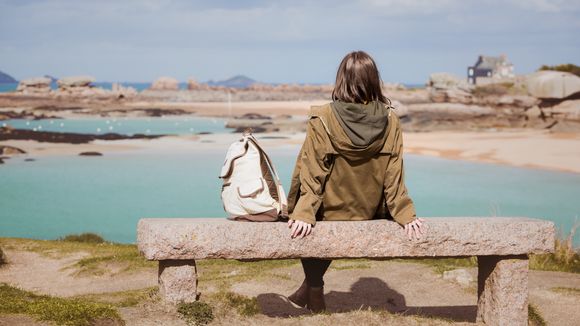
316, 299
300, 297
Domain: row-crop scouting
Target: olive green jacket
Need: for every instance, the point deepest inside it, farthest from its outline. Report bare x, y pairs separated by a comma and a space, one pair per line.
335, 179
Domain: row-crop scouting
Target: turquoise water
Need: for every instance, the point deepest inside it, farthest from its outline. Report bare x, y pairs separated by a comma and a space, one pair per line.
54, 196
165, 125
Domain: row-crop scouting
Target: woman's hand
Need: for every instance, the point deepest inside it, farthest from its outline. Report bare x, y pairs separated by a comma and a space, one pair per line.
299, 228
415, 228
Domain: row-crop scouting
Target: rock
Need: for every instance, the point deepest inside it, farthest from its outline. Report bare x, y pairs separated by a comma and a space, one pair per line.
2, 257
123, 92
90, 154
165, 84
502, 290
567, 110
552, 84
192, 84
10, 150
444, 87
400, 110
65, 137
460, 276
254, 116
36, 85
178, 281
194, 238
443, 80
75, 81
534, 113
1, 161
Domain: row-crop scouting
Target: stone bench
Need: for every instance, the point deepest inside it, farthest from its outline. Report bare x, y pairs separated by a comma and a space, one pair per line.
502, 246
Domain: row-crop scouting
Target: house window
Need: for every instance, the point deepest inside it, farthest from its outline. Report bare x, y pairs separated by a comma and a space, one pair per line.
470, 71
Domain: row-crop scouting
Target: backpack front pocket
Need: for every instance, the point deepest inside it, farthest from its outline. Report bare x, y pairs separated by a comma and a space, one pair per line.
251, 189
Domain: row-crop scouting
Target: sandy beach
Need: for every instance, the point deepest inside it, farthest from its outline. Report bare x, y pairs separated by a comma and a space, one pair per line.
520, 148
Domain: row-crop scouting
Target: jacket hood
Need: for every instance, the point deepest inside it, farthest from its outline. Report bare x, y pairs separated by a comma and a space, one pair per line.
359, 130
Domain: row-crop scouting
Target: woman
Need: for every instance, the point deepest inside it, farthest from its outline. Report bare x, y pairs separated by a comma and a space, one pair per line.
350, 167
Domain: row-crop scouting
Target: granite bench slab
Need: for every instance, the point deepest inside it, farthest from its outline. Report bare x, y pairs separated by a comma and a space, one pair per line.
502, 245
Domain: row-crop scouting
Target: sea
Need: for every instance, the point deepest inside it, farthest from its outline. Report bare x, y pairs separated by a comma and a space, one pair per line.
52, 196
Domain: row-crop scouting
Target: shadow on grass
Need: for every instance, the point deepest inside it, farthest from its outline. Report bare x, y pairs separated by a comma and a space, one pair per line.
367, 292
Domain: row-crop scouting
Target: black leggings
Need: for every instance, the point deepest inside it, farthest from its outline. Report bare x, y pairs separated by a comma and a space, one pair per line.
314, 270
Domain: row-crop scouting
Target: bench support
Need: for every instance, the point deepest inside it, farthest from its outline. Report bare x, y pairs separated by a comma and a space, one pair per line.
178, 280
502, 290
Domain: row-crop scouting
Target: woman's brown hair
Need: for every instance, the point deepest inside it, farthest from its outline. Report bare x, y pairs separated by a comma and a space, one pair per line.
358, 80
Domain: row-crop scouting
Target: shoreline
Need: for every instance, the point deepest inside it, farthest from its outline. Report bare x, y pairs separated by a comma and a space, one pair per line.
521, 148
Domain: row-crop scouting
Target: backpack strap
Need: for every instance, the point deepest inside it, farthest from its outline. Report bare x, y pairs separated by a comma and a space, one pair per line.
282, 201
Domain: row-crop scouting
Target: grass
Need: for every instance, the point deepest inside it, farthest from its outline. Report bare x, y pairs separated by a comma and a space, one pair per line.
565, 258
571, 68
100, 256
83, 237
245, 306
123, 299
61, 311
567, 291
534, 317
196, 313
345, 264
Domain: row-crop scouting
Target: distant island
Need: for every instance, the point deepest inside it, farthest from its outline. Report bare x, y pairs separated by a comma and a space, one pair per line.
6, 78
239, 81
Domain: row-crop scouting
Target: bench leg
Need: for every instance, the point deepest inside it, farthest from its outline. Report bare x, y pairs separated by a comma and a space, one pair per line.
502, 291
178, 280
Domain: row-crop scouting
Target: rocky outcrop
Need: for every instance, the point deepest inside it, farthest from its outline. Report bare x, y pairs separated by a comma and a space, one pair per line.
90, 154
34, 86
552, 84
165, 84
64, 137
445, 87
10, 150
121, 91
75, 81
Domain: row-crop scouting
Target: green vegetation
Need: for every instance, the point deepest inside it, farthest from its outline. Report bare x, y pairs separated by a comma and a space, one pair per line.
237, 271
2, 257
245, 306
569, 67
196, 313
565, 258
83, 237
534, 316
344, 264
58, 310
100, 257
497, 89
567, 291
122, 299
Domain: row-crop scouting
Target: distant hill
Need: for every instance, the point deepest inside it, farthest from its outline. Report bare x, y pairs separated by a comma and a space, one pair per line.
238, 81
6, 79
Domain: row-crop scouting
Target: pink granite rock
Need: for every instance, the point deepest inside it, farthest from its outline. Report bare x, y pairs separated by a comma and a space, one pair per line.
503, 290
178, 280
200, 238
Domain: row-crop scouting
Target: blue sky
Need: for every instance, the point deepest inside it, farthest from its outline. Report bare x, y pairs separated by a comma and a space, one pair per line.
279, 41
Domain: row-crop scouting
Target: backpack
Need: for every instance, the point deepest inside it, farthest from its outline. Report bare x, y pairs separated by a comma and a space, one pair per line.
251, 189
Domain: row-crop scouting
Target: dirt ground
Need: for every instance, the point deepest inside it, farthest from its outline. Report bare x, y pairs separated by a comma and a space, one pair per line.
401, 290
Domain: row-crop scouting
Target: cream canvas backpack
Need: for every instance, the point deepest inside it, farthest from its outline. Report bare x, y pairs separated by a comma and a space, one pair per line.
251, 188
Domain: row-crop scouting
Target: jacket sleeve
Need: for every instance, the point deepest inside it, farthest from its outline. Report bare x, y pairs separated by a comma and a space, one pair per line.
314, 171
398, 201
